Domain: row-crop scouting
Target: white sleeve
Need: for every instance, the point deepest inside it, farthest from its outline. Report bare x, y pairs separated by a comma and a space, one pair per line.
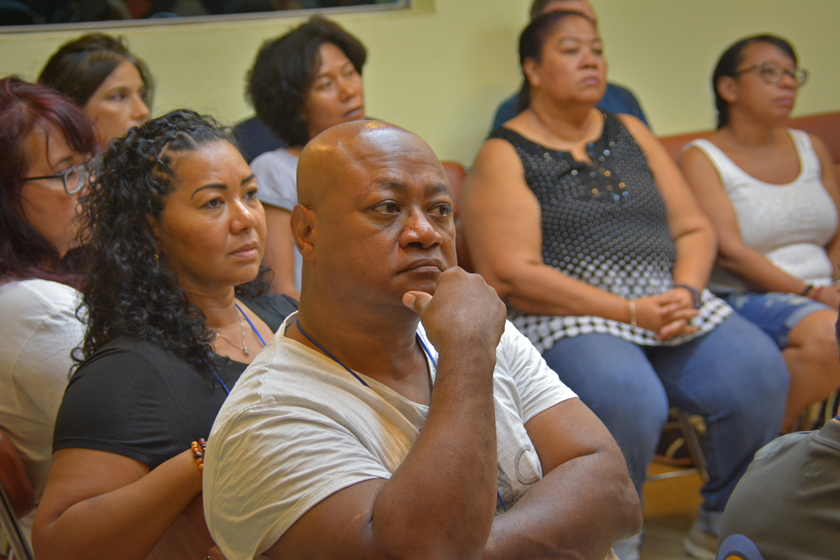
539, 386
276, 179
36, 349
274, 464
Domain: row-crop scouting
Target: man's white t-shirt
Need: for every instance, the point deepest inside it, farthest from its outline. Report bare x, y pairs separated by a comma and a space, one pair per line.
298, 427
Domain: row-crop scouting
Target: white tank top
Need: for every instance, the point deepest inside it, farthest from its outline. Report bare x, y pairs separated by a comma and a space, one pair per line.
789, 224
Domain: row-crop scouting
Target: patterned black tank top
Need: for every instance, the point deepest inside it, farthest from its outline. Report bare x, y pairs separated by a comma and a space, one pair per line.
604, 224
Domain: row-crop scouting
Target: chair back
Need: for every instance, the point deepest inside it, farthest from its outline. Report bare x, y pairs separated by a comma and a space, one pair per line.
825, 126
456, 174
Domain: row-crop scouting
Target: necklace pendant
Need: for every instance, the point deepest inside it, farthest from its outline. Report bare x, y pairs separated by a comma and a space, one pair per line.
246, 351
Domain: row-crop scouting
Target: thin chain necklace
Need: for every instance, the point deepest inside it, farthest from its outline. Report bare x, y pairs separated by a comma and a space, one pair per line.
244, 348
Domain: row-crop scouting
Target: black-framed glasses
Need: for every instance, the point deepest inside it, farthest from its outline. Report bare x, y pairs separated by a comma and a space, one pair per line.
772, 73
73, 178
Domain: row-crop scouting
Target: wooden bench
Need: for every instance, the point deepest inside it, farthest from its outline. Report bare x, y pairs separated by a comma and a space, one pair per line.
826, 126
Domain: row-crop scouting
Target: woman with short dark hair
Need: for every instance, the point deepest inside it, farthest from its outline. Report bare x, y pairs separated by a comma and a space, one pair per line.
45, 142
773, 198
301, 84
177, 308
112, 86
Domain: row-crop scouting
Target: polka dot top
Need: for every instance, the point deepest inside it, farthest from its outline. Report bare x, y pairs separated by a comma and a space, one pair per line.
604, 224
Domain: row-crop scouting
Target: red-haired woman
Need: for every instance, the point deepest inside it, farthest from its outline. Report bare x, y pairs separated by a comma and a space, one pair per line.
45, 141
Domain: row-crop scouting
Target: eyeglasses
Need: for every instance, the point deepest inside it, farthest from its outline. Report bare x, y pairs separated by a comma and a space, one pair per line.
73, 178
772, 73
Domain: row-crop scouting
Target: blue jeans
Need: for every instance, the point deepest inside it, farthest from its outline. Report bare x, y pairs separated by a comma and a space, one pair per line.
776, 313
734, 377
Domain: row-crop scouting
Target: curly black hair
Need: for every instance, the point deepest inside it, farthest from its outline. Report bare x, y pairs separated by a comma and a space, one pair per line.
129, 289
284, 70
79, 67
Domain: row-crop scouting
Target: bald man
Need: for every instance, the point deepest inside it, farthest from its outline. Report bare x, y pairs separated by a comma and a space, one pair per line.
398, 415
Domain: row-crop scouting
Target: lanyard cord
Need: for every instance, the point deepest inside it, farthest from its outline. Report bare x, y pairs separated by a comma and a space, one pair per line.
328, 353
252, 324
219, 379
362, 381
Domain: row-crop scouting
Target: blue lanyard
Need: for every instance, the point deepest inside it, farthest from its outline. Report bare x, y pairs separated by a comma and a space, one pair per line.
362, 381
353, 373
250, 323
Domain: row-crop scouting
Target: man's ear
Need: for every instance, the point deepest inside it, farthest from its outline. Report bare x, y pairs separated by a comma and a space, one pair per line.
303, 223
727, 88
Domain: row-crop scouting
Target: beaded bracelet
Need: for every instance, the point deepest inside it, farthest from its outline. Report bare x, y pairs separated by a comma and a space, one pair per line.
198, 448
815, 295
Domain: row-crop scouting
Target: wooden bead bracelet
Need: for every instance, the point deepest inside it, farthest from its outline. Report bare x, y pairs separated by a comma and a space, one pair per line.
198, 448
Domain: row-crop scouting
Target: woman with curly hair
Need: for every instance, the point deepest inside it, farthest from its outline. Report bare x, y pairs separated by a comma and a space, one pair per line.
300, 85
177, 308
45, 141
111, 85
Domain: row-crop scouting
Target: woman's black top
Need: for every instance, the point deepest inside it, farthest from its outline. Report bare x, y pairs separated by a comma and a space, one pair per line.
605, 224
134, 398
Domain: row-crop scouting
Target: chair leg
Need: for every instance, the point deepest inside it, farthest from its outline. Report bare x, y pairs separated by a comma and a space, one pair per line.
692, 442
19, 548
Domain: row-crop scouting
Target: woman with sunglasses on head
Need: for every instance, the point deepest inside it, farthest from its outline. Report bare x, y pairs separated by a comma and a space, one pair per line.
111, 85
177, 307
772, 197
45, 141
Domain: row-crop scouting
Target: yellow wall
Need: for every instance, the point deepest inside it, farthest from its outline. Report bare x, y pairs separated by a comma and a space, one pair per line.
441, 68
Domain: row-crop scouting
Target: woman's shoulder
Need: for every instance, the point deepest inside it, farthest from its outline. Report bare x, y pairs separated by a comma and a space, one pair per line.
805, 140
40, 306
272, 308
129, 360
508, 135
132, 398
39, 293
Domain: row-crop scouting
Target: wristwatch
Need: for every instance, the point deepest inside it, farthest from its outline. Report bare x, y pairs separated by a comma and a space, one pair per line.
695, 294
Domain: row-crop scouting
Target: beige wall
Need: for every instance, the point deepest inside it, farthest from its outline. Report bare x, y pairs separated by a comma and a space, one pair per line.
441, 68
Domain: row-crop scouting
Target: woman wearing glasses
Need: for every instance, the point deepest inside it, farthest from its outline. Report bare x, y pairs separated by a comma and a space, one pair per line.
772, 196
44, 141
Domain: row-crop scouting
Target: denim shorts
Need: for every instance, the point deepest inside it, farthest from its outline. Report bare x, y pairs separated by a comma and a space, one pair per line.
775, 312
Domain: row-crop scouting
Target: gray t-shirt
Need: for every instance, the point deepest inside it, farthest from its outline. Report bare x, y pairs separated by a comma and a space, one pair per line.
298, 427
276, 174
788, 501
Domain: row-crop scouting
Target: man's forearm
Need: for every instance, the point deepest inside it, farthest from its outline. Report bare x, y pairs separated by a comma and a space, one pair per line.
444, 492
579, 510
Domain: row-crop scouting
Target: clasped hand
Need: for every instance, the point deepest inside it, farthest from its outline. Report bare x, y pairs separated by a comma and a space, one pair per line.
667, 314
